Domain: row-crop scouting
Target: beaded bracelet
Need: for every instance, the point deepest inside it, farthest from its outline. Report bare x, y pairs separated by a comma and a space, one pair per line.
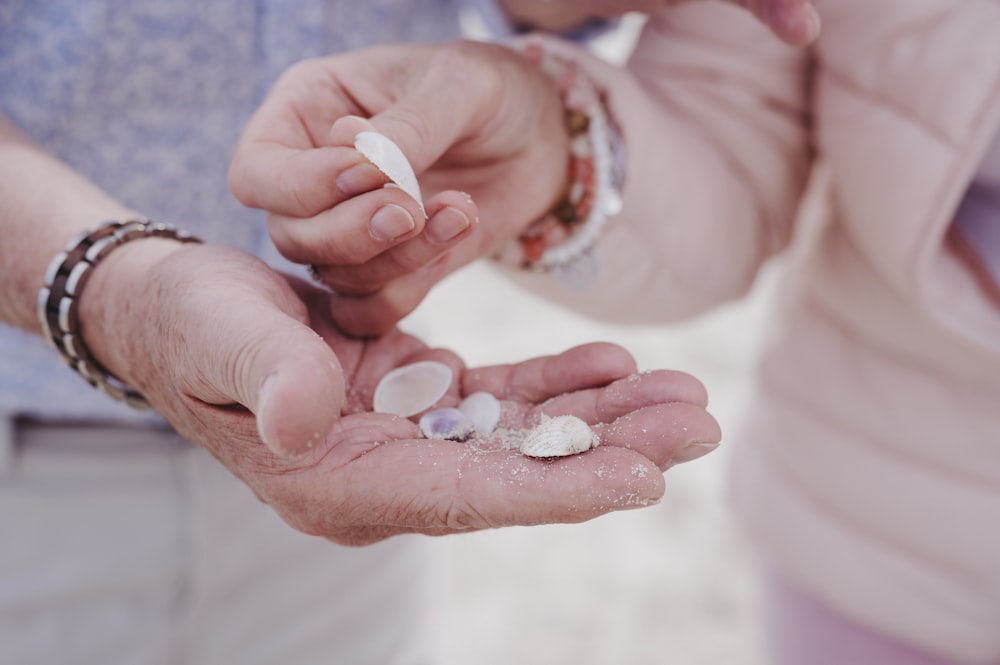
65, 278
563, 242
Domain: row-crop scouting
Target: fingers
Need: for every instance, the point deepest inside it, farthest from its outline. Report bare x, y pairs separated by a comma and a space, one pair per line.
455, 90
354, 249
246, 342
624, 396
298, 182
372, 478
352, 233
794, 21
658, 414
302, 393
296, 156
538, 379
665, 434
379, 312
385, 353
284, 162
438, 486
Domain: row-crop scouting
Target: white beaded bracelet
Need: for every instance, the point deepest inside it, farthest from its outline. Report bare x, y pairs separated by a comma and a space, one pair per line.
564, 241
65, 279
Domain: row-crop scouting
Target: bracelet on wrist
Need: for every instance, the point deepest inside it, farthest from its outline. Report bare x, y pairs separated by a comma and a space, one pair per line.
65, 280
564, 241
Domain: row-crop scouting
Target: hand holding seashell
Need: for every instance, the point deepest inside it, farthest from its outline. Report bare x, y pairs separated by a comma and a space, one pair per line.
444, 125
474, 448
794, 21
246, 362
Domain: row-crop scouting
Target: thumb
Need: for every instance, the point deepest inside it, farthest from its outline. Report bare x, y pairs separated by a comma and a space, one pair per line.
298, 386
409, 125
455, 91
797, 22
257, 354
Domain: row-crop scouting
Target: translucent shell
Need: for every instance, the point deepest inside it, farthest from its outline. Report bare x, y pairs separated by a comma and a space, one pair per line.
410, 389
483, 409
447, 423
390, 160
559, 436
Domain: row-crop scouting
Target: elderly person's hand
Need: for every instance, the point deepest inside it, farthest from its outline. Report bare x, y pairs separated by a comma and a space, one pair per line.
794, 21
245, 362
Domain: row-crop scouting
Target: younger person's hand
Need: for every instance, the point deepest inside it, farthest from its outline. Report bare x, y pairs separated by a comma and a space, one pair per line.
473, 119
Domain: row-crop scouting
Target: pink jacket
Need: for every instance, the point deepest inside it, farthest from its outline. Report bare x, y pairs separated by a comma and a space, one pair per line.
869, 467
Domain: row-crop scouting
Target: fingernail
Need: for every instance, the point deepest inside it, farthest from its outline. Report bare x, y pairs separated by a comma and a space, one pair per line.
815, 23
360, 178
264, 427
799, 29
447, 225
390, 222
692, 452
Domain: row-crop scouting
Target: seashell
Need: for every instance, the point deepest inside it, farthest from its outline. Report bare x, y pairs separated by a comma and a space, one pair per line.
390, 160
408, 390
447, 423
483, 409
559, 436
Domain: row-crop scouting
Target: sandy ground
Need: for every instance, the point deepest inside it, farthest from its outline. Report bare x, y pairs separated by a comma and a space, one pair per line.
664, 584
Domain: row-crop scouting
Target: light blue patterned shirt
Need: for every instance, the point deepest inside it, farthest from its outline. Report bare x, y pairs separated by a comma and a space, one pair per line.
147, 98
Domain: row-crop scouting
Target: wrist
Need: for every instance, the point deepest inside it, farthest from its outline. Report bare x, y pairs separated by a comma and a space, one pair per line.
89, 290
563, 241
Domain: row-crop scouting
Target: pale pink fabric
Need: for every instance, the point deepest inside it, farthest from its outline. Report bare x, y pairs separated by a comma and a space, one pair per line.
869, 465
799, 630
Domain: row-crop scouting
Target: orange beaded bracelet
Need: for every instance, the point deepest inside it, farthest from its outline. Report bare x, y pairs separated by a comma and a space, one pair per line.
564, 241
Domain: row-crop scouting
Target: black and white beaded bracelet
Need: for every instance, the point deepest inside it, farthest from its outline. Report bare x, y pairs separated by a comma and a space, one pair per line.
65, 279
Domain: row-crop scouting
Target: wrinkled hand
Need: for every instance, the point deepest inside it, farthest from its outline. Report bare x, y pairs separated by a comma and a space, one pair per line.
245, 362
794, 21
473, 119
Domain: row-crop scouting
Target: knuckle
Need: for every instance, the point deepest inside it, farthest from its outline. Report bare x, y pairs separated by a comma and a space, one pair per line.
460, 515
238, 177
346, 282
411, 123
289, 243
291, 192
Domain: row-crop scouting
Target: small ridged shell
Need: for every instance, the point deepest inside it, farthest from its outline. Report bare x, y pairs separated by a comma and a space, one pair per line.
381, 151
559, 436
408, 390
447, 423
483, 409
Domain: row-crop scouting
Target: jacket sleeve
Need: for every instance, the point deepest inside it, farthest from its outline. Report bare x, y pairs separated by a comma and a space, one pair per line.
713, 116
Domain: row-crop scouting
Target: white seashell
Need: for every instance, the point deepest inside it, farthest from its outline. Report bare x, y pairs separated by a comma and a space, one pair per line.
390, 160
559, 436
447, 423
483, 409
408, 390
